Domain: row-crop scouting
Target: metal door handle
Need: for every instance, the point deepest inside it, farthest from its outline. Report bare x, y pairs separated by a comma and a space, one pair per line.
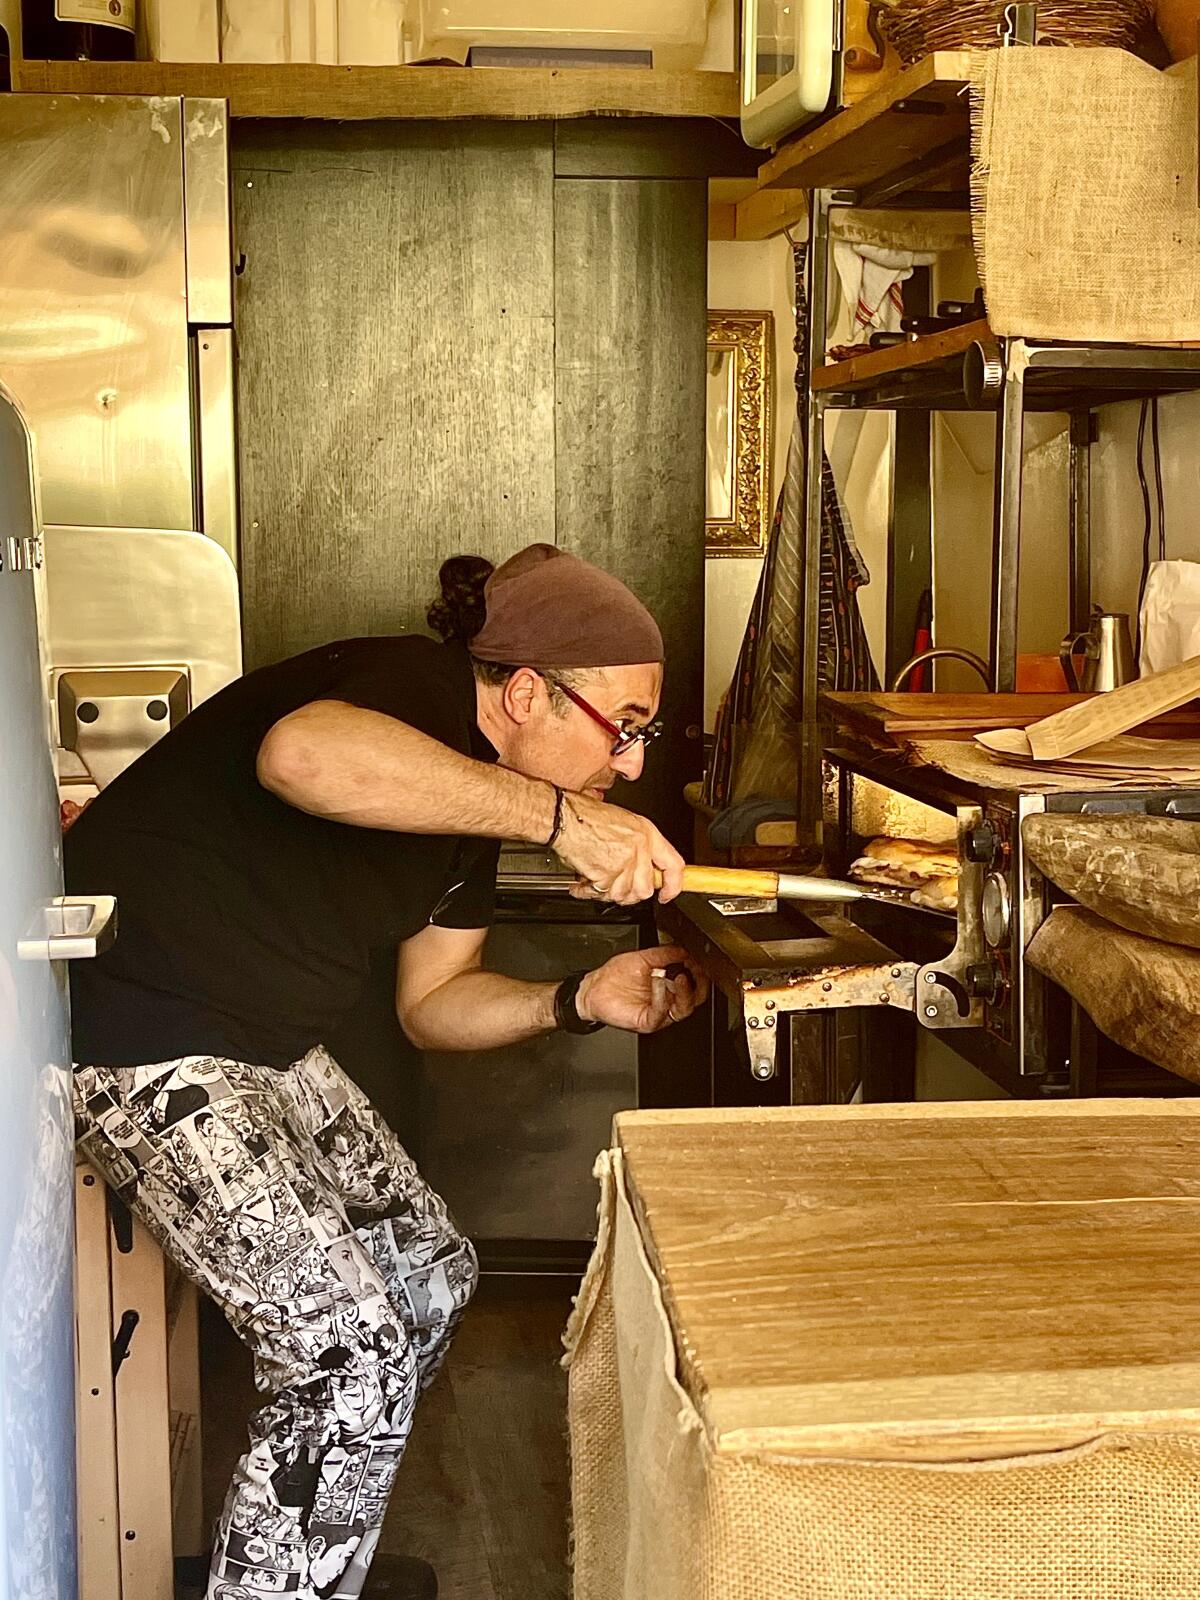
73, 927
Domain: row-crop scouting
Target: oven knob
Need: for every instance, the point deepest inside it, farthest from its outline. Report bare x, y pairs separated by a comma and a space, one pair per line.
985, 981
981, 844
996, 909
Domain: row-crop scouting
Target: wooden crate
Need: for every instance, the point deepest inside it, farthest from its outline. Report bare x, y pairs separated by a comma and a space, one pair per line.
893, 1353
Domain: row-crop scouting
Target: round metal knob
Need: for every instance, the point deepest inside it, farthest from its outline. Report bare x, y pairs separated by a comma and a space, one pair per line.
984, 981
983, 375
981, 844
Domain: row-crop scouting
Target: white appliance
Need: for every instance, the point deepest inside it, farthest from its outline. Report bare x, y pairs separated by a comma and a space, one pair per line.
600, 25
788, 54
38, 932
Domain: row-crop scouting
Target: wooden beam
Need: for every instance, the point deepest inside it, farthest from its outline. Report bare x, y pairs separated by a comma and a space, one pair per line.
768, 212
722, 219
381, 93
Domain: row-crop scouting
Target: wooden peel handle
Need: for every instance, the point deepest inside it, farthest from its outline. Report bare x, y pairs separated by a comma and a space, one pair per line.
728, 880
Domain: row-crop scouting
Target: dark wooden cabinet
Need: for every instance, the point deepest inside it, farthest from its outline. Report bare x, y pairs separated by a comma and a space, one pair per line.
466, 337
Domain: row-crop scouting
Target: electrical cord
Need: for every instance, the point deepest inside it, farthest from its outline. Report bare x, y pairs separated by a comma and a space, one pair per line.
1158, 480
1149, 414
1146, 526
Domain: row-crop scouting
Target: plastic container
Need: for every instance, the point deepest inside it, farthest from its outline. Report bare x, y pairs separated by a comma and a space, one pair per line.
598, 25
279, 30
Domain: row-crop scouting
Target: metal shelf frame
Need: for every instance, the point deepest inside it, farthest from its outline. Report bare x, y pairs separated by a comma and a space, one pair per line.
1010, 377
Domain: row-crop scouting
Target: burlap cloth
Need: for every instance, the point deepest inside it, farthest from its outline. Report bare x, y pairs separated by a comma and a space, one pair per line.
662, 1512
1083, 195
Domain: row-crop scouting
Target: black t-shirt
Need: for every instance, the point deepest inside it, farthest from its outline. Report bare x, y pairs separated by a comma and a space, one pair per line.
246, 928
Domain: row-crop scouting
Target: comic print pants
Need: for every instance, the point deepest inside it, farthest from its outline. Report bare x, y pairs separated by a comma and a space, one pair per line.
289, 1201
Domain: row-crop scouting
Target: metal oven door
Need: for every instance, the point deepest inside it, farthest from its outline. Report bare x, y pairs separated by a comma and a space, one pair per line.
510, 1136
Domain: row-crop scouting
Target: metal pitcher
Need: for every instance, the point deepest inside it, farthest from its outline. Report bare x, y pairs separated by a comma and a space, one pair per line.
1107, 650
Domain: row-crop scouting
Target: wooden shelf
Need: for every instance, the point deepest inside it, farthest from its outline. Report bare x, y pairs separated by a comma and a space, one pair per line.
920, 110
861, 372
380, 93
912, 132
928, 373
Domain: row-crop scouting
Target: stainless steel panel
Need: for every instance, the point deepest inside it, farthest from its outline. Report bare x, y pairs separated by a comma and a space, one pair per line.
136, 597
208, 232
218, 438
93, 319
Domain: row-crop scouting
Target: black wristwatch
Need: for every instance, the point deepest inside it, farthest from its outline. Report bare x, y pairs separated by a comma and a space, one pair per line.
566, 1017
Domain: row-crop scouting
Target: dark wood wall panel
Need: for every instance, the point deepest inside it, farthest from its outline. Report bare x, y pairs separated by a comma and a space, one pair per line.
396, 373
630, 291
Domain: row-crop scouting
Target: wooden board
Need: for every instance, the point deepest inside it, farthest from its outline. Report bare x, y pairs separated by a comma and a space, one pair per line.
914, 113
374, 93
143, 1423
963, 715
769, 212
648, 147
926, 1281
99, 1518
941, 713
743, 212
858, 371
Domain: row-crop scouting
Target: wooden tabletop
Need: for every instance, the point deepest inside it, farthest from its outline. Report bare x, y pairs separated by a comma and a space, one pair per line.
935, 1281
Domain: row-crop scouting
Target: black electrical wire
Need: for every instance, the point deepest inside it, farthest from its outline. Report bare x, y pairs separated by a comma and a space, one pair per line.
1158, 480
1147, 527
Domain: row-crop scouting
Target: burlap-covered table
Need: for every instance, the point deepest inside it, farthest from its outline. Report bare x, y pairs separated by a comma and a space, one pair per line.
892, 1353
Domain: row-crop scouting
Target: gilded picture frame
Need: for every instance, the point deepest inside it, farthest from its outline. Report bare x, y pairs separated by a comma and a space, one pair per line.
738, 435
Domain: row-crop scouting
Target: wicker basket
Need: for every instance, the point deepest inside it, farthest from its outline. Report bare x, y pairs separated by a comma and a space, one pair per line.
919, 27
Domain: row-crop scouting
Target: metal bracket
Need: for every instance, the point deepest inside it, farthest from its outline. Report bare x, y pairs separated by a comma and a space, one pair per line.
762, 1033
744, 906
22, 554
829, 988
1085, 429
943, 990
123, 1338
120, 1220
1019, 25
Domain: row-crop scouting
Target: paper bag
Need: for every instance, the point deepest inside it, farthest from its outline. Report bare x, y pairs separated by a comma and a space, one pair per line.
1170, 615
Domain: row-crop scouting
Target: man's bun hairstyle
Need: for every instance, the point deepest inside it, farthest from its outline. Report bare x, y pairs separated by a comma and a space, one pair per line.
460, 612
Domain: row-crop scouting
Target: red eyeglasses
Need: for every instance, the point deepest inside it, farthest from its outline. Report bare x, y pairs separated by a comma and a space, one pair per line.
623, 738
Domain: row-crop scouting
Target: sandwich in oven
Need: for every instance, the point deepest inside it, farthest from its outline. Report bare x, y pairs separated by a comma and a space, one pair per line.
928, 871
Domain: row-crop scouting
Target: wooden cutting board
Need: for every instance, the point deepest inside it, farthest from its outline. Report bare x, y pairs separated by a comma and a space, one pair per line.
926, 1281
954, 716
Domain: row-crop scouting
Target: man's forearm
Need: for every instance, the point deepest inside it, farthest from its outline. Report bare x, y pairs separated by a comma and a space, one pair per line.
479, 1011
346, 764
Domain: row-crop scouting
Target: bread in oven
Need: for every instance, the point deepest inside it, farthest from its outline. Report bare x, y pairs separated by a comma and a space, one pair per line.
905, 863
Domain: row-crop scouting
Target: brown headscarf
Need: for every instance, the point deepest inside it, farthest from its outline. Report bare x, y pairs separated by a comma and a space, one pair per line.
547, 608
